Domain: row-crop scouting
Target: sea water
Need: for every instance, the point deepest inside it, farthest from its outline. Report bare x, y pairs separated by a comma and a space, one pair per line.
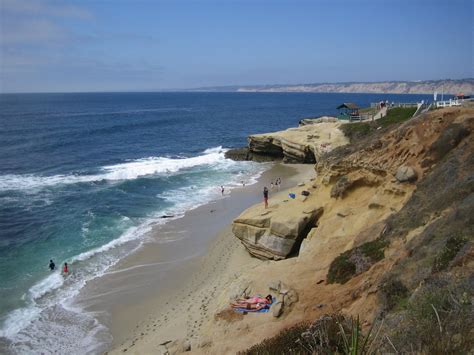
84, 177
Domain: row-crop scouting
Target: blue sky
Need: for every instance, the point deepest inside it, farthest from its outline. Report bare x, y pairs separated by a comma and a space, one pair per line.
118, 45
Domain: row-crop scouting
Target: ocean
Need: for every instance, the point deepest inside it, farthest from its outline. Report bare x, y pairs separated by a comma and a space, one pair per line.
84, 177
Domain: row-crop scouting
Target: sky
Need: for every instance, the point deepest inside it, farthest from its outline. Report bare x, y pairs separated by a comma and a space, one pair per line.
145, 45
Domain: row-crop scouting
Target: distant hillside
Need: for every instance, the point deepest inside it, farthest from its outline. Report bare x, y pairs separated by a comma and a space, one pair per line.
447, 86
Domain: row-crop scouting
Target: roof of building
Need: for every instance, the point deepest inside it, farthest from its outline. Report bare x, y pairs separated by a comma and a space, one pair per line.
349, 105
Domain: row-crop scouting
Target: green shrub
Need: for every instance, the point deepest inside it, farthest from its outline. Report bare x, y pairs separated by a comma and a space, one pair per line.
341, 269
330, 334
452, 247
438, 320
349, 263
286, 342
374, 250
395, 294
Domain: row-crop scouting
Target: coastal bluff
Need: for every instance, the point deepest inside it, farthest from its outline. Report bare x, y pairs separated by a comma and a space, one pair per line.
275, 232
305, 144
395, 227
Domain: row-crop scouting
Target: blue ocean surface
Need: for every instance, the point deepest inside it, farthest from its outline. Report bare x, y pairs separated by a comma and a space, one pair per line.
83, 177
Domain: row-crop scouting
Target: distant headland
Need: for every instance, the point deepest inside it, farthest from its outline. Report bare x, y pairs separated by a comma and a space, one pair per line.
447, 86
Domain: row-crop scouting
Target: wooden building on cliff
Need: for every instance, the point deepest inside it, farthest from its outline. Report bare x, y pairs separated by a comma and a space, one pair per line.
349, 111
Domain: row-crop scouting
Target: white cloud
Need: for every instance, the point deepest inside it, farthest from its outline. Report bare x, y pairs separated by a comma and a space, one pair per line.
43, 8
32, 31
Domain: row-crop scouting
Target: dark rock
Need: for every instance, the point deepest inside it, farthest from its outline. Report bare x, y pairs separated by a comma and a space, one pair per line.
406, 174
244, 154
238, 154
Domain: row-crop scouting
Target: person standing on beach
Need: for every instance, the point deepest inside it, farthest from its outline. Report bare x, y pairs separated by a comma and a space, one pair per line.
271, 185
265, 196
222, 190
51, 265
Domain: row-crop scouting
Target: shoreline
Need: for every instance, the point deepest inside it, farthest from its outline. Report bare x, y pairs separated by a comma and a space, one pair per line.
162, 291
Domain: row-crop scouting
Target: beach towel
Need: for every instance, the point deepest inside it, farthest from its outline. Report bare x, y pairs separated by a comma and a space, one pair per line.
263, 310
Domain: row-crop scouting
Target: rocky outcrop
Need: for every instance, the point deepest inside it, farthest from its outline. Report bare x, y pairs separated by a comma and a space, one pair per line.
304, 144
316, 120
273, 233
244, 154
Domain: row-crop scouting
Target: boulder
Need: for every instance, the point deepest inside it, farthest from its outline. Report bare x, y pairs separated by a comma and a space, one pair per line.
290, 297
274, 235
237, 154
406, 173
277, 309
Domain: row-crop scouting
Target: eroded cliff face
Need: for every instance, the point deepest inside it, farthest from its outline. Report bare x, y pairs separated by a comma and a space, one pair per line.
383, 230
394, 87
304, 144
275, 232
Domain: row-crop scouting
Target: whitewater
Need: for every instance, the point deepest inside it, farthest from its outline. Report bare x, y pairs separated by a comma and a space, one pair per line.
55, 293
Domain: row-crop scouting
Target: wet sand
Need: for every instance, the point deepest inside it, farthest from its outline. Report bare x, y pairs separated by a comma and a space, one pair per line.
162, 292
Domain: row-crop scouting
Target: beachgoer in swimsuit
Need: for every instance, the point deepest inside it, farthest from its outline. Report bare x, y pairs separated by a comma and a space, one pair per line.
65, 269
265, 196
254, 303
222, 190
51, 265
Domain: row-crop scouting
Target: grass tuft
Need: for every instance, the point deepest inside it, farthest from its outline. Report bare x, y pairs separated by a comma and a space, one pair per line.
357, 130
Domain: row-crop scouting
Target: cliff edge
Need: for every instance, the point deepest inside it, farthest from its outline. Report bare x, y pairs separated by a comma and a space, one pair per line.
387, 229
304, 144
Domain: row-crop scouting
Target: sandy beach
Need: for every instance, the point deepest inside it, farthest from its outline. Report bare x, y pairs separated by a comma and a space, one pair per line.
163, 291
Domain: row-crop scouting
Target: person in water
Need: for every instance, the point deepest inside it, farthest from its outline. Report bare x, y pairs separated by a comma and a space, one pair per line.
222, 190
65, 269
265, 196
52, 266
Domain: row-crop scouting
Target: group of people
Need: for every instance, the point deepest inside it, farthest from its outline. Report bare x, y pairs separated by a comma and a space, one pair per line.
52, 267
277, 184
265, 190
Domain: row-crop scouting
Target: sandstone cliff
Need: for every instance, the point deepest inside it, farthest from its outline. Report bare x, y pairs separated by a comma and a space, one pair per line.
447, 86
304, 144
373, 239
465, 86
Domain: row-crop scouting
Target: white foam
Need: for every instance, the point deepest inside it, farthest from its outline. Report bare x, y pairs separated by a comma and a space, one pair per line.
125, 171
131, 234
19, 319
48, 284
54, 289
